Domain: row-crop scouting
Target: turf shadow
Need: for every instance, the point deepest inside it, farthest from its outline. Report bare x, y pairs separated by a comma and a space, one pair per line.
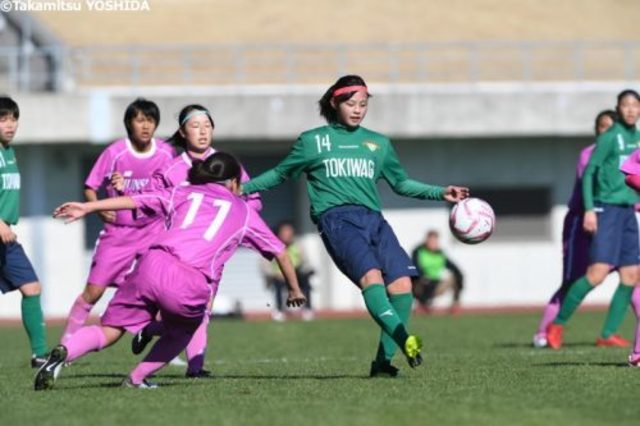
271, 377
581, 364
512, 345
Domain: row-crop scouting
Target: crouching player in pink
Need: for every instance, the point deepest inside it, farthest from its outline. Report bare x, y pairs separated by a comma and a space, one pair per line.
194, 138
631, 168
208, 223
127, 164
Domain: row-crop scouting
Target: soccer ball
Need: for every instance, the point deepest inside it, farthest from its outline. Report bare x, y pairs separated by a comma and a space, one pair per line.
472, 220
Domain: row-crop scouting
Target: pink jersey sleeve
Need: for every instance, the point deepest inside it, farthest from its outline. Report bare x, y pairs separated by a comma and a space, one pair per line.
253, 200
100, 171
259, 237
631, 165
158, 201
585, 154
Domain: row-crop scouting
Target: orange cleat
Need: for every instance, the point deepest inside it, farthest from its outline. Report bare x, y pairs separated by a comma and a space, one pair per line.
554, 335
615, 340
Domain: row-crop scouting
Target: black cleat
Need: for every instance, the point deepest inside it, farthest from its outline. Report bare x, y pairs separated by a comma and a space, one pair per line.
47, 374
383, 369
202, 373
38, 361
139, 342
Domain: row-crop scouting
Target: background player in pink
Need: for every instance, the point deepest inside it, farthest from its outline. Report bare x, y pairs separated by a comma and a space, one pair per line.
193, 137
208, 223
125, 166
575, 241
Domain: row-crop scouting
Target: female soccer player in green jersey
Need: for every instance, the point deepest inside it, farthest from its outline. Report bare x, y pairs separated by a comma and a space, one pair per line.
342, 162
610, 217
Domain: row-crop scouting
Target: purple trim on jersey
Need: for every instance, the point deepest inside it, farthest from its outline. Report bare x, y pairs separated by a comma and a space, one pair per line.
631, 165
576, 203
176, 173
137, 170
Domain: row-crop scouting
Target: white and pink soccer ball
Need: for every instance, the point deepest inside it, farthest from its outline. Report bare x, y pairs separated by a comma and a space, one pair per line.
472, 220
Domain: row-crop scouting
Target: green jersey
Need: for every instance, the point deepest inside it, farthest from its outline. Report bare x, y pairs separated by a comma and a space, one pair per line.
10, 186
602, 180
342, 166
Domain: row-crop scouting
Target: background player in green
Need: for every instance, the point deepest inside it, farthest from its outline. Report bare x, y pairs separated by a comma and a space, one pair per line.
610, 217
16, 272
342, 162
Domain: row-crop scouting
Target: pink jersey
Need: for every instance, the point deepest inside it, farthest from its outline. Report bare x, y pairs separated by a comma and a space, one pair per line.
575, 202
136, 168
207, 223
176, 173
631, 165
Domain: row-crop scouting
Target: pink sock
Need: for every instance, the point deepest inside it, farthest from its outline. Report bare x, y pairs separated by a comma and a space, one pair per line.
550, 313
85, 340
77, 317
635, 304
197, 347
166, 348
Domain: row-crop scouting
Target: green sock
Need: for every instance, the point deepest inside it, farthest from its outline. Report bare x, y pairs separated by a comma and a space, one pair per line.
402, 303
576, 294
33, 322
380, 309
617, 309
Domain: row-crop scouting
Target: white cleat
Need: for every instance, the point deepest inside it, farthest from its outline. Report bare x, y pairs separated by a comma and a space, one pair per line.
127, 383
540, 341
178, 362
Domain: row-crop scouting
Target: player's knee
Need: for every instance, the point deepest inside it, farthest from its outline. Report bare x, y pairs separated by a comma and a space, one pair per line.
401, 285
31, 289
372, 276
596, 277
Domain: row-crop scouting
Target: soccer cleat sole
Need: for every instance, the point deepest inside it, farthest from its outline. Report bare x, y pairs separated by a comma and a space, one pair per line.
47, 374
412, 348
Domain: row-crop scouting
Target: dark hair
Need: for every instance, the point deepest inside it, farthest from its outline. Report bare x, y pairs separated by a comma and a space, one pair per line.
9, 107
179, 141
433, 233
218, 167
141, 106
605, 113
326, 109
283, 224
627, 92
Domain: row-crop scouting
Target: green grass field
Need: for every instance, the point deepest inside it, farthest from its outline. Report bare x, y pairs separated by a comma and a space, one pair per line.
479, 370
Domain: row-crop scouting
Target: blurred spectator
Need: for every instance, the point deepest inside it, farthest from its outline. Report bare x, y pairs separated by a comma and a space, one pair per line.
275, 281
438, 274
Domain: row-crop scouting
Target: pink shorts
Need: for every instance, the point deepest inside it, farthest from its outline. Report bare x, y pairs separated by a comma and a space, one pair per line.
160, 283
116, 249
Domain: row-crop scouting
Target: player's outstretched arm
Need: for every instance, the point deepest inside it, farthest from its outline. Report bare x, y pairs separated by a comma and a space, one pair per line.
72, 211
106, 216
296, 297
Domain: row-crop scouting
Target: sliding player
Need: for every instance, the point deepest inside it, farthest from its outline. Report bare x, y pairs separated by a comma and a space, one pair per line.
175, 276
194, 138
342, 162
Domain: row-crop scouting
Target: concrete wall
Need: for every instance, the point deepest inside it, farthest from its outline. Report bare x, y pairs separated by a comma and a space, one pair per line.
497, 136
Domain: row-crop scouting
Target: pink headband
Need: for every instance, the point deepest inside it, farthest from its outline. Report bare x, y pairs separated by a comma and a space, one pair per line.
348, 89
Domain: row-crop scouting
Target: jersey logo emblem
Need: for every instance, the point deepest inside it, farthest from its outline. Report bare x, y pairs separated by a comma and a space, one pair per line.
373, 147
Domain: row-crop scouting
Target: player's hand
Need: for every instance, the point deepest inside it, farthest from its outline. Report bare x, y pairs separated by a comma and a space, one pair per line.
453, 194
71, 211
590, 222
6, 234
117, 181
108, 216
296, 298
